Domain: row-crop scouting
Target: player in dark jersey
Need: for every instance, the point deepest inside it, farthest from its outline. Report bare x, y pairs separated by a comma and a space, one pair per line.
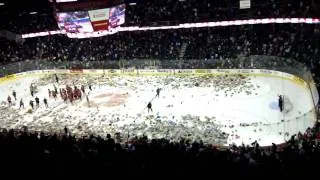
31, 104
280, 102
31, 92
14, 94
158, 92
83, 89
45, 101
149, 106
56, 77
37, 101
21, 104
9, 101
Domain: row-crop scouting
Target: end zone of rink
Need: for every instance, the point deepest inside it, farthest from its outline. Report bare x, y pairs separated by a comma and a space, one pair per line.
165, 72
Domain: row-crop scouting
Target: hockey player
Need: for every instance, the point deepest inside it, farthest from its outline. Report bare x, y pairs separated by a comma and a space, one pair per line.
79, 94
90, 88
31, 90
65, 98
74, 86
21, 104
61, 94
87, 97
54, 94
83, 89
55, 89
64, 92
280, 102
9, 101
31, 104
45, 102
49, 92
158, 92
14, 94
76, 93
37, 101
70, 96
69, 90
149, 106
57, 79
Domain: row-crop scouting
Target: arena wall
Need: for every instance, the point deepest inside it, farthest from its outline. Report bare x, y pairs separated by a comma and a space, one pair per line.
159, 72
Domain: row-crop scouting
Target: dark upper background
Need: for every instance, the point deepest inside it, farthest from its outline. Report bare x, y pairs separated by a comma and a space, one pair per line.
17, 16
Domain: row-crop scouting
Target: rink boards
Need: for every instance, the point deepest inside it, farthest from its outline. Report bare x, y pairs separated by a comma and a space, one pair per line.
172, 72
159, 72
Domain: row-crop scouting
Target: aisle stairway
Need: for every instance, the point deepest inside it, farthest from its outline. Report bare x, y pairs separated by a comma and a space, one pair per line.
183, 50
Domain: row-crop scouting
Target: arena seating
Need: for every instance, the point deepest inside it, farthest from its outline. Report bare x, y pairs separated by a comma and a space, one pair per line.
63, 154
297, 41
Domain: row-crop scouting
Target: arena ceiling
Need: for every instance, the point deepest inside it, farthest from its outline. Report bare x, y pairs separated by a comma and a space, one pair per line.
17, 11
16, 7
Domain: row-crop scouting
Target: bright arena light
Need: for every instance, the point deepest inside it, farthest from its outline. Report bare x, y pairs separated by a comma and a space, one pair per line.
59, 1
180, 26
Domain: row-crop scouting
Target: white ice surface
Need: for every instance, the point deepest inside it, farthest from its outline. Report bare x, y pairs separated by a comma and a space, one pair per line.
225, 113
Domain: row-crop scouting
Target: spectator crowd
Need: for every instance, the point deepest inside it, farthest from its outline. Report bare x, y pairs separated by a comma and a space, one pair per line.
294, 41
64, 154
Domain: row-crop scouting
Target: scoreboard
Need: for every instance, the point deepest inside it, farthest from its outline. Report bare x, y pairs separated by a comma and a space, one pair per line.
89, 16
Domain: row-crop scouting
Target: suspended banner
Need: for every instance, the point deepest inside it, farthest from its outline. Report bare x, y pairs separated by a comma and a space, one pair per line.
99, 19
117, 16
245, 4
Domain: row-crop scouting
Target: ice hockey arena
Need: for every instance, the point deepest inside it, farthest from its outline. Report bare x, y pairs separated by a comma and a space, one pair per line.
216, 106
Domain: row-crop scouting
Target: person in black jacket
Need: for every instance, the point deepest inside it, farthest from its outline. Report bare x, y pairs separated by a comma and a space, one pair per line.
280, 102
149, 106
14, 94
21, 104
45, 101
158, 92
37, 101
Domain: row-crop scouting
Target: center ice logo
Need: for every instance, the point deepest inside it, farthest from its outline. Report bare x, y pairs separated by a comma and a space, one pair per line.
109, 99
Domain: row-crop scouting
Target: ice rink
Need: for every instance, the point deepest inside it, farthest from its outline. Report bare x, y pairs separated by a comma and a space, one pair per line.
216, 109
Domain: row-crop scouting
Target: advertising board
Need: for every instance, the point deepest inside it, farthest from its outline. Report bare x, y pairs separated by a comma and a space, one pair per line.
117, 15
74, 22
99, 19
184, 71
76, 71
